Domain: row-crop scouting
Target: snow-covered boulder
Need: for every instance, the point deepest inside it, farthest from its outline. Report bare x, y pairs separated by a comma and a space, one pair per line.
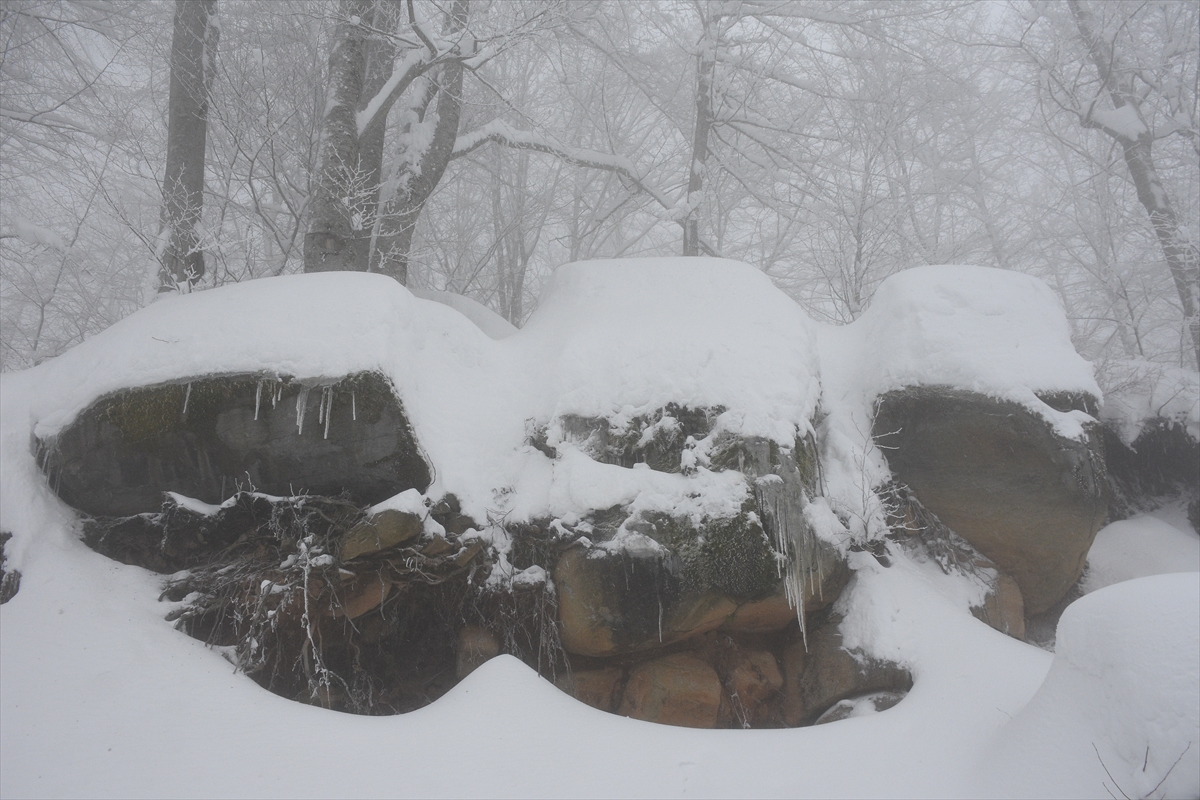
207, 437
1000, 477
984, 409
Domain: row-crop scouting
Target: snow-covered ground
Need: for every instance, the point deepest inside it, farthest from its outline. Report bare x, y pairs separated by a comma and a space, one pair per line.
99, 696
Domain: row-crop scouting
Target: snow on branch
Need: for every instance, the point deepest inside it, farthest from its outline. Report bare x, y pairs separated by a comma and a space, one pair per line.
31, 233
500, 132
412, 66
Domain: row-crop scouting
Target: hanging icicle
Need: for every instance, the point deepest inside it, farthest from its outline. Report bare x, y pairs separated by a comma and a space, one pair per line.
353, 408
328, 409
187, 395
301, 407
257, 399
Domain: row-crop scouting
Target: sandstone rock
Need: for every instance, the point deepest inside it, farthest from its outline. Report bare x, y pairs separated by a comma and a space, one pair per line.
599, 688
362, 595
475, 646
1001, 478
438, 546
828, 673
205, 438
1003, 608
676, 579
751, 678
386, 529
679, 689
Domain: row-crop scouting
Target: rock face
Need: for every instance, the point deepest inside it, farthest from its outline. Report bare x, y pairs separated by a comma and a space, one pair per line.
679, 689
1000, 477
671, 579
205, 438
1161, 461
599, 688
826, 673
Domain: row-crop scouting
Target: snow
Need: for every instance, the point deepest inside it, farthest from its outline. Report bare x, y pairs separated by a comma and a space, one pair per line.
1140, 391
488, 321
99, 696
999, 333
1124, 121
1137, 547
31, 233
1119, 707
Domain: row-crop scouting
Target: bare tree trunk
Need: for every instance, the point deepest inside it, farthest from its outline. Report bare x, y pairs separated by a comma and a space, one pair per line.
706, 62
327, 245
1136, 140
417, 181
193, 46
380, 61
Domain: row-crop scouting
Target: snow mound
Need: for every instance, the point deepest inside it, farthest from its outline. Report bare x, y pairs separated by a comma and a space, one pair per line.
488, 321
991, 331
1141, 391
632, 335
1120, 707
1139, 547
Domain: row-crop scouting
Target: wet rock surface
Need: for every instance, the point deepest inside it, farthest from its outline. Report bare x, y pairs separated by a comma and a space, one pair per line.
1163, 461
672, 578
211, 436
824, 672
1002, 479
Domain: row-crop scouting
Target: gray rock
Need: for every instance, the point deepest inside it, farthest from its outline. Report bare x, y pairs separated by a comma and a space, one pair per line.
1002, 479
208, 437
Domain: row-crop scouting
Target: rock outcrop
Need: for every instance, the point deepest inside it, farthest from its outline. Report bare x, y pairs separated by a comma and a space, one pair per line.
1001, 478
678, 689
824, 673
208, 437
643, 580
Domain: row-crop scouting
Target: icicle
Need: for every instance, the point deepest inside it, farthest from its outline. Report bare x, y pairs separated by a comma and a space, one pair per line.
328, 410
301, 407
660, 618
186, 397
257, 399
353, 408
321, 407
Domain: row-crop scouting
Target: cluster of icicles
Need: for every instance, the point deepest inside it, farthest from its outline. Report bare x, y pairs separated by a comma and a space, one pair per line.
324, 413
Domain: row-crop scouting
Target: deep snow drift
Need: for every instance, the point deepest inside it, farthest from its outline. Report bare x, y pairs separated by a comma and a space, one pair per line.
99, 696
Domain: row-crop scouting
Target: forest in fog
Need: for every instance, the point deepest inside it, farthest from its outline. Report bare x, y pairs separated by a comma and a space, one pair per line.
473, 146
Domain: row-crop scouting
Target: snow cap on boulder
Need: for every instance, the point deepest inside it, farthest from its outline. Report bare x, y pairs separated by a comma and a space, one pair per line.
991, 331
630, 336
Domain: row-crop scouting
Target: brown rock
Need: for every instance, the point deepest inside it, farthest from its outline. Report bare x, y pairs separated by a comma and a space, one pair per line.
751, 678
678, 689
828, 673
599, 688
1003, 608
761, 616
438, 546
1001, 478
475, 646
360, 596
385, 529
754, 676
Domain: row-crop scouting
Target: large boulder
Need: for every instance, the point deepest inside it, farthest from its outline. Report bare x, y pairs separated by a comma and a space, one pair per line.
679, 689
999, 475
642, 580
210, 436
